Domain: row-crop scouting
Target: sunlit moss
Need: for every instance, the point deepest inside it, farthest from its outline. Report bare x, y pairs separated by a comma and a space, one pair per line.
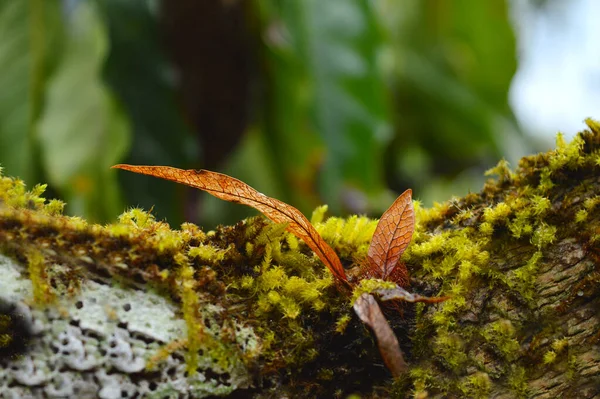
137, 217
477, 385
540, 205
207, 253
560, 344
501, 334
351, 237
543, 235
486, 228
450, 348
549, 357
517, 381
318, 214
42, 292
567, 154
276, 282
591, 203
342, 323
190, 305
502, 170
370, 285
496, 214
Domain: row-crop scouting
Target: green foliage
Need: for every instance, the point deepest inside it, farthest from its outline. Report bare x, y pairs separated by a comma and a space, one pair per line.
461, 69
348, 95
82, 131
29, 41
138, 71
58, 117
400, 91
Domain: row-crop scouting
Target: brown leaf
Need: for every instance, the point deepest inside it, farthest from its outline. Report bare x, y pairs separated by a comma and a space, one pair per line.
233, 190
401, 294
368, 311
392, 235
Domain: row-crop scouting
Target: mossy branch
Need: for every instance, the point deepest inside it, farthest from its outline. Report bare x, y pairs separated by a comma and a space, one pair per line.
519, 261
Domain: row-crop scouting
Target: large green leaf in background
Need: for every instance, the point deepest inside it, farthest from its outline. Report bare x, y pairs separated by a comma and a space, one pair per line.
140, 75
28, 49
82, 131
339, 41
324, 121
454, 62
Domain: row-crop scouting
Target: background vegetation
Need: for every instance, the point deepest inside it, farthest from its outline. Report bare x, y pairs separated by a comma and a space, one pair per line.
344, 102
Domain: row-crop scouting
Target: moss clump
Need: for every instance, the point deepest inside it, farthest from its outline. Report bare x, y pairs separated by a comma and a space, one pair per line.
482, 340
263, 280
370, 285
42, 292
466, 260
477, 385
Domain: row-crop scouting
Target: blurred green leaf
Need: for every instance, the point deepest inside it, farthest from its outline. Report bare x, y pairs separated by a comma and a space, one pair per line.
82, 131
338, 41
28, 30
326, 119
141, 77
454, 62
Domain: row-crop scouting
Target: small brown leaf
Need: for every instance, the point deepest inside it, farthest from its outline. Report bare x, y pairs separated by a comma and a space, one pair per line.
368, 311
233, 190
401, 294
392, 235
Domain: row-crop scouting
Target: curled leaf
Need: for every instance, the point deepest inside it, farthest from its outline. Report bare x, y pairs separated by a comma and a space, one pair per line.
400, 293
392, 235
234, 190
368, 311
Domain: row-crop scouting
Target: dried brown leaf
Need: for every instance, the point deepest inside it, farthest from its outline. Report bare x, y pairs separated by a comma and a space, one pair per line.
399, 293
233, 190
368, 311
392, 235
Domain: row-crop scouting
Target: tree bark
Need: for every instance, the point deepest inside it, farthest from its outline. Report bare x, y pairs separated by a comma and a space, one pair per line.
138, 309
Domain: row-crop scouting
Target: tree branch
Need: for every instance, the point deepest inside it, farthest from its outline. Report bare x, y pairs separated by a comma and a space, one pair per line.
137, 308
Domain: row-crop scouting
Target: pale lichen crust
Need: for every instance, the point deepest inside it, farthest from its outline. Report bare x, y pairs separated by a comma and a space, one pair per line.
104, 342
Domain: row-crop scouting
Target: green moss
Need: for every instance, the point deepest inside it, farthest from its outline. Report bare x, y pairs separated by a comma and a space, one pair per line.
42, 292
6, 337
498, 213
567, 154
207, 253
543, 235
351, 237
591, 203
341, 323
370, 285
451, 350
190, 306
525, 276
422, 379
549, 357
502, 170
581, 216
259, 272
318, 214
517, 381
573, 367
560, 344
477, 385
501, 335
